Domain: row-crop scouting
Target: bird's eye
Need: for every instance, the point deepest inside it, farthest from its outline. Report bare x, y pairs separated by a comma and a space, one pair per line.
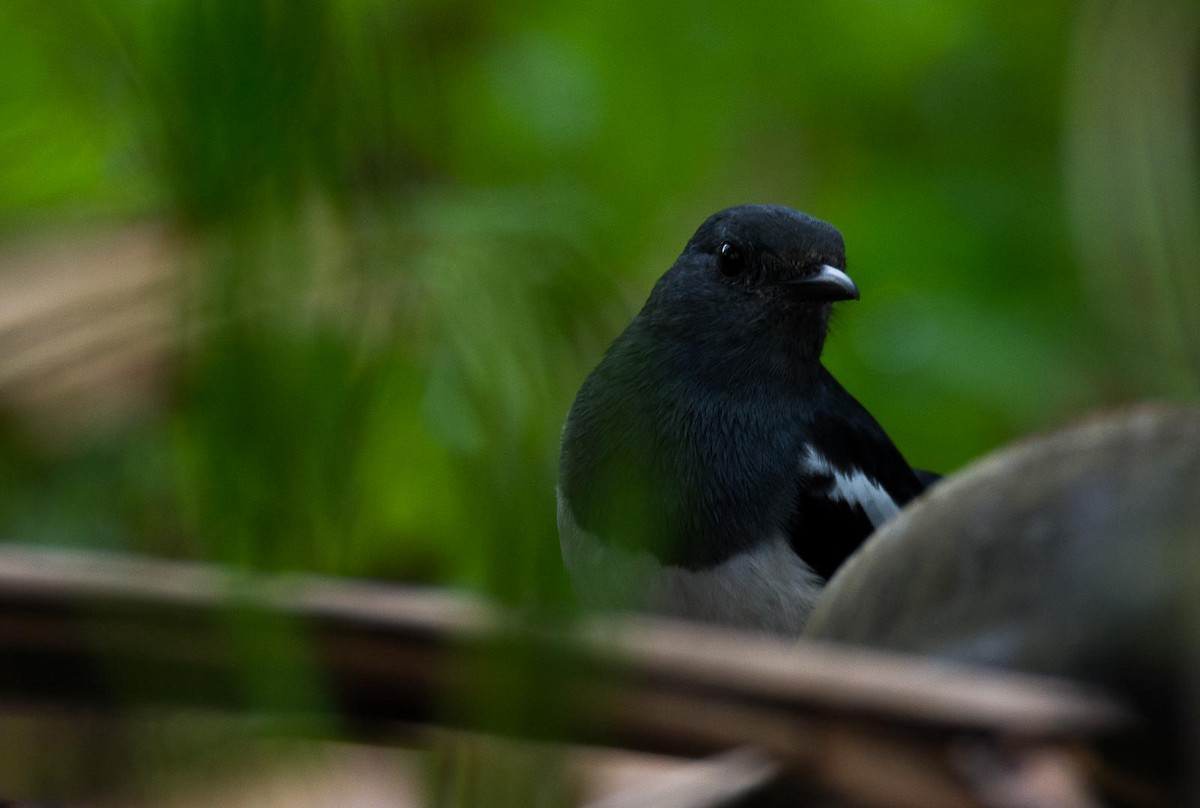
729, 259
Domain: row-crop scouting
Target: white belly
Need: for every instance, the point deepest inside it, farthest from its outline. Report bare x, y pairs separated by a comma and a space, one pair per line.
769, 589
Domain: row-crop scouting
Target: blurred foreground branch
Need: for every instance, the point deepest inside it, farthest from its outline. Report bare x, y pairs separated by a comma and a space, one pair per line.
88, 630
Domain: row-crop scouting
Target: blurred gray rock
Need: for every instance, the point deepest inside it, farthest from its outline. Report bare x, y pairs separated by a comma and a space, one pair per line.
1072, 554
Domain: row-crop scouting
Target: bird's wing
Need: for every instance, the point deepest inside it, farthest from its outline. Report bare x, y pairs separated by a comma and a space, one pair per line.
834, 511
852, 487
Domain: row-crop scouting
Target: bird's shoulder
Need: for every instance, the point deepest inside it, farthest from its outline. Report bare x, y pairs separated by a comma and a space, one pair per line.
849, 440
850, 479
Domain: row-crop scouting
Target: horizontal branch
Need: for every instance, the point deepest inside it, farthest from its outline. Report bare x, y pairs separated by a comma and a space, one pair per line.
389, 652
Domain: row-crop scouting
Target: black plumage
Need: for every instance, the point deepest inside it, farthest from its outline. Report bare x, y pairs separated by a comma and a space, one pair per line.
710, 428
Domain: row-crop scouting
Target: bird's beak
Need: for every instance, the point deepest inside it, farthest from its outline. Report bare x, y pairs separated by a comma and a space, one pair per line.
829, 283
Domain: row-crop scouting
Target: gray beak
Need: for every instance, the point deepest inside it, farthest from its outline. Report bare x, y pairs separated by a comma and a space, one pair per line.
830, 283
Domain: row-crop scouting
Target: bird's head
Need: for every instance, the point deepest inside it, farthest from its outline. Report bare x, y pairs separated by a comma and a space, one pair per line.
773, 251
756, 269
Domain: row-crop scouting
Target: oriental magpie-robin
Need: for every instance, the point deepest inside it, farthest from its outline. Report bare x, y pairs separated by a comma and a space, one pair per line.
711, 468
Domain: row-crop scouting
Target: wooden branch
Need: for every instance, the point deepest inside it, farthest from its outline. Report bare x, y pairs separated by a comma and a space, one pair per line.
725, 780
87, 629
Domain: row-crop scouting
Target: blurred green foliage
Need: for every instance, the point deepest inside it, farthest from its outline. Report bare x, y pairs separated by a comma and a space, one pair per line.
418, 224
412, 227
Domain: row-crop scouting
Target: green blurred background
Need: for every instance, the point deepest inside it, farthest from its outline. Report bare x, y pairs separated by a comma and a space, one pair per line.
308, 286
391, 238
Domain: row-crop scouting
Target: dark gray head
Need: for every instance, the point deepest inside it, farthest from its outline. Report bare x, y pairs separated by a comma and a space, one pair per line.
755, 273
765, 244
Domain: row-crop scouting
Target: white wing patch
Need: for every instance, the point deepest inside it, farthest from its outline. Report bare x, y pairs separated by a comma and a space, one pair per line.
854, 488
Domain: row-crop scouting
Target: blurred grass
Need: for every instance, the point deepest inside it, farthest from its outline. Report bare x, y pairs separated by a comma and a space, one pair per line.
411, 228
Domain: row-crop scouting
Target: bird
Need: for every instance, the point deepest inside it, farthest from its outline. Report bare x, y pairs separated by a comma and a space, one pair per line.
711, 468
